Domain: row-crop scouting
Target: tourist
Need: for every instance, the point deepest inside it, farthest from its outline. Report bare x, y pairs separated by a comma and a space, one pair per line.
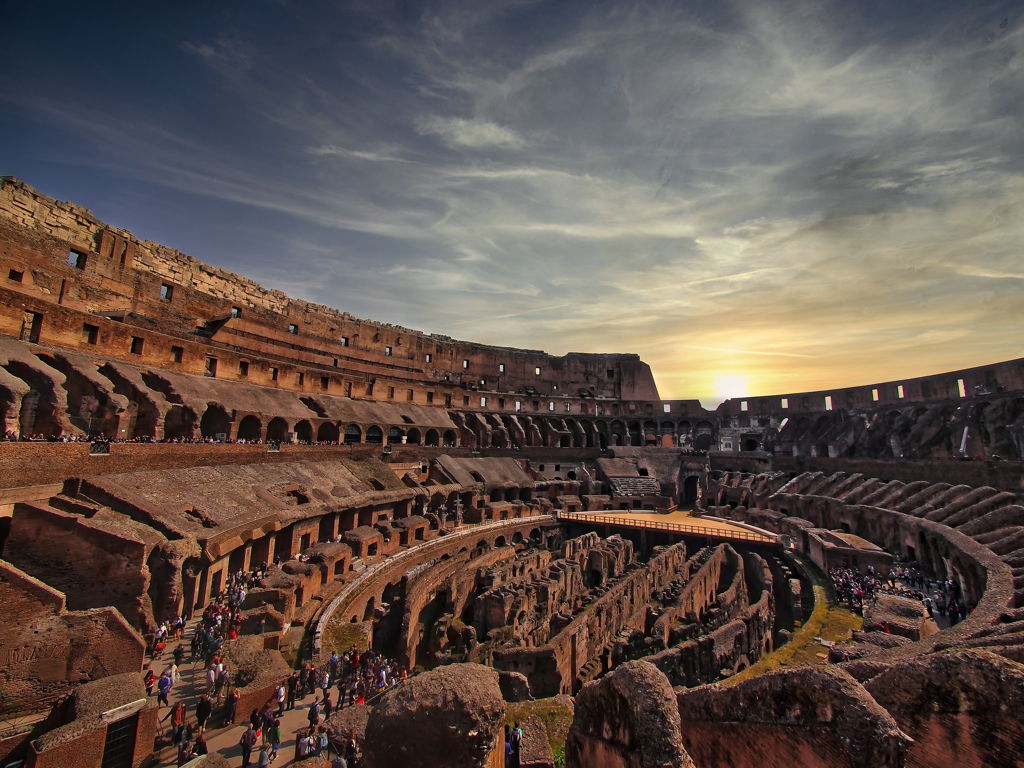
201, 747
264, 758
275, 740
232, 706
203, 711
314, 713
293, 684
163, 688
177, 717
247, 742
279, 694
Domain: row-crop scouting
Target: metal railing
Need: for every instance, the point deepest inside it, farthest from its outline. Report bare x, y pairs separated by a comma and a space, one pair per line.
737, 534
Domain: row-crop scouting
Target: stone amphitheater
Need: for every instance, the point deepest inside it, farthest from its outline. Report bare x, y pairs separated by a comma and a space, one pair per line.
829, 578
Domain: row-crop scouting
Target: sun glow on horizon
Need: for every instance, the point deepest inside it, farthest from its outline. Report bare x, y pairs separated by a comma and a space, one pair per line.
731, 385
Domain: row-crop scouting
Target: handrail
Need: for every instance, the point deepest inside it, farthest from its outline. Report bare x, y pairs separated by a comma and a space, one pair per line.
722, 533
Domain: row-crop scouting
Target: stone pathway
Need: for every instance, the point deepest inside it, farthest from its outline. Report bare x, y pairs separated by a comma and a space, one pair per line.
220, 738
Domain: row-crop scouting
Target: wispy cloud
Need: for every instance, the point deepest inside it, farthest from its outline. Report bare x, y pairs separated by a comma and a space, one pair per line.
468, 133
798, 194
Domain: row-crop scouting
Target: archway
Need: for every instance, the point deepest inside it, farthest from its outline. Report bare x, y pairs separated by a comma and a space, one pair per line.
413, 437
328, 433
249, 428
432, 437
215, 421
690, 486
277, 430
304, 432
353, 434
702, 442
179, 423
394, 435
374, 435
449, 438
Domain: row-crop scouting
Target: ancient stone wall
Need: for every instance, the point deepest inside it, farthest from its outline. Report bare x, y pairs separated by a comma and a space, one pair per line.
46, 650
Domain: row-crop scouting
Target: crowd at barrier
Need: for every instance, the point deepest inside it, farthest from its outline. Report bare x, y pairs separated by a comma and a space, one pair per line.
939, 597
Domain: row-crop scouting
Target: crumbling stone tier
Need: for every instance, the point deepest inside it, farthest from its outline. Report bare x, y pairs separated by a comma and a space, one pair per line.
170, 423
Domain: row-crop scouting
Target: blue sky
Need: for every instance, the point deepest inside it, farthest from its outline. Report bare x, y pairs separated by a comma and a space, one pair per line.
755, 197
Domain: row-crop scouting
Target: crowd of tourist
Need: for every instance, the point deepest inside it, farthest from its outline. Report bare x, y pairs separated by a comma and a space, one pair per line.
939, 597
343, 680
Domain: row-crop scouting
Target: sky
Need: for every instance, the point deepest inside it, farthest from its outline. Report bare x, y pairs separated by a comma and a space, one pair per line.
755, 197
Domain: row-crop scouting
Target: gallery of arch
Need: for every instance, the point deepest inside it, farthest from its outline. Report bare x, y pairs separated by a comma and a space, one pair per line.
829, 578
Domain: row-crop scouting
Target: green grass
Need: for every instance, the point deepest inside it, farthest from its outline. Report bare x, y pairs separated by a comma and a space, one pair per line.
834, 624
342, 635
555, 713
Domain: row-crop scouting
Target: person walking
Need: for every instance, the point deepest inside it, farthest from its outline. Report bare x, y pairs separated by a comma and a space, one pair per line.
203, 711
247, 742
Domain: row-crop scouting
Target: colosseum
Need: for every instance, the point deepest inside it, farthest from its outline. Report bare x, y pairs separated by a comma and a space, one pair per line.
268, 498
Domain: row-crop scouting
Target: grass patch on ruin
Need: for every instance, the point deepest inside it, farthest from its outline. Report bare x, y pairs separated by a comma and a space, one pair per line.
555, 713
340, 636
834, 624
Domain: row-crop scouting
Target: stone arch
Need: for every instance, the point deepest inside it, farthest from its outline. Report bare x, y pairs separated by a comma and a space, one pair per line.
215, 421
449, 437
432, 438
179, 422
374, 434
304, 432
328, 433
250, 428
353, 434
499, 542
277, 429
517, 537
394, 435
413, 437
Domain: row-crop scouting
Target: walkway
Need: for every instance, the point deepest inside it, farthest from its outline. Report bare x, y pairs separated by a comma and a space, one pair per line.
220, 738
680, 521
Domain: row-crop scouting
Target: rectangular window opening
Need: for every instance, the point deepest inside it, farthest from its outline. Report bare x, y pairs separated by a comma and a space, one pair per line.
465, 364
568, 407
273, 374
302, 378
899, 391
137, 343
410, 395
325, 382
387, 351
343, 341
874, 395
785, 402
483, 402
166, 292
430, 397
743, 405
293, 329
519, 405
828, 402
76, 259
211, 367
15, 275
667, 408
429, 358
243, 368
536, 371
90, 333
961, 388
391, 393
465, 400
551, 406
236, 312
501, 367
177, 354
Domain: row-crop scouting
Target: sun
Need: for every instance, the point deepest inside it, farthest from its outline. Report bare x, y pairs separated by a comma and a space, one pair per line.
731, 385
